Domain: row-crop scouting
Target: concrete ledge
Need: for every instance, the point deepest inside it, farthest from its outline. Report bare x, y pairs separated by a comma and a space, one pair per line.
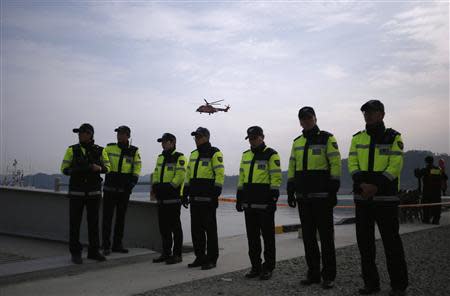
12, 273
45, 214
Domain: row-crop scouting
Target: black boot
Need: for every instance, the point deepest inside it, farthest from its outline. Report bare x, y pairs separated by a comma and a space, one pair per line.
76, 259
253, 273
97, 257
197, 263
174, 260
161, 258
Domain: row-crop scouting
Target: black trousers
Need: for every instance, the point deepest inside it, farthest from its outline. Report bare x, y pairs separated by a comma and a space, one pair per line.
261, 222
386, 217
170, 228
433, 212
204, 231
76, 206
114, 202
318, 216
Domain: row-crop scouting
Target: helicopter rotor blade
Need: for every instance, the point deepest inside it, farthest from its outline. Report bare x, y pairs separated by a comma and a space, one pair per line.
215, 102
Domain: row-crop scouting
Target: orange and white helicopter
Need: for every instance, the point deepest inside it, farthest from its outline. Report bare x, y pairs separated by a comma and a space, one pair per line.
210, 109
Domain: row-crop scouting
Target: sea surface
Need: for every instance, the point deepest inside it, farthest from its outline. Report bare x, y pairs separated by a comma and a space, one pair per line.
230, 222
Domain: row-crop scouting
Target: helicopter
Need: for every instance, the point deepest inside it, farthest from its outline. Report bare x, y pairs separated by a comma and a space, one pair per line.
210, 109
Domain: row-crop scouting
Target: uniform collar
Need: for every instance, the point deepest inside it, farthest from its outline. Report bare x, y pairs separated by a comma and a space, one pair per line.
259, 149
312, 132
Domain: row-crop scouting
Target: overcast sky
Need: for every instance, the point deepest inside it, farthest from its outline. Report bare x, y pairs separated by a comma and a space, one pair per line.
149, 65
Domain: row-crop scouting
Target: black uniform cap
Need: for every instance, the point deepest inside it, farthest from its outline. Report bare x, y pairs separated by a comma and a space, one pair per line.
306, 112
167, 137
373, 105
254, 131
85, 127
201, 131
123, 128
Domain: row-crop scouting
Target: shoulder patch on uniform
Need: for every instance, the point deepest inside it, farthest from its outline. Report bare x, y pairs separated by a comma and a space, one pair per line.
110, 144
335, 145
220, 159
277, 162
400, 145
181, 162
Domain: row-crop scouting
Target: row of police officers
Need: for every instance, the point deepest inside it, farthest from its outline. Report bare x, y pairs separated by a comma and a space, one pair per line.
375, 162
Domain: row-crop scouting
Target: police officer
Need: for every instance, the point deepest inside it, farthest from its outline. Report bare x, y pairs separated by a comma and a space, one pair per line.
167, 185
314, 178
432, 179
375, 162
84, 162
203, 186
257, 195
119, 182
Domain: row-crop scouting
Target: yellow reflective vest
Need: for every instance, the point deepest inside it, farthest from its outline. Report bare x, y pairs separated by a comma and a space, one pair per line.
77, 163
259, 173
168, 177
314, 165
377, 161
125, 168
205, 175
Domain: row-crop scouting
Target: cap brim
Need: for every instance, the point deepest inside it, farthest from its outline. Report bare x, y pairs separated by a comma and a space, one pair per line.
194, 134
116, 130
159, 140
306, 114
76, 130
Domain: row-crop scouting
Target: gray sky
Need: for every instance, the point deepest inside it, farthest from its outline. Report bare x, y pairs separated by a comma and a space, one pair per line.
150, 64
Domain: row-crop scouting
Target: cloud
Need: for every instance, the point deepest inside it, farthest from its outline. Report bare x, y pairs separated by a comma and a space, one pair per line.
334, 71
418, 44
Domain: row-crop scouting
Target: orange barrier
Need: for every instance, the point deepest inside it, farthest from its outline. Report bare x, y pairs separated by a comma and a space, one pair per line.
233, 200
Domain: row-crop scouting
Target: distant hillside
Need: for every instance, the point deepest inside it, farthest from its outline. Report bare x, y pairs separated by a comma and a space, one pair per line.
413, 159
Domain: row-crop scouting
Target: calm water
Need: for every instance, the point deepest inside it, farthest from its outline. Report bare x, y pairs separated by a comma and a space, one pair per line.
230, 222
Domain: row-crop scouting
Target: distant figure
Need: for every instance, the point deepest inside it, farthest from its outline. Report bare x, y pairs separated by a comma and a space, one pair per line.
445, 179
432, 179
167, 185
84, 162
119, 183
314, 180
257, 195
375, 162
203, 186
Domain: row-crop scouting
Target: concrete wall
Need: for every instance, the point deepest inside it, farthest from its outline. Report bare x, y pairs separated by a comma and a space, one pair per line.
45, 214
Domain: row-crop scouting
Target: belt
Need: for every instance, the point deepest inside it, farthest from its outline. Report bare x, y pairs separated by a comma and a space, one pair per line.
315, 195
85, 193
113, 189
169, 201
201, 198
376, 198
254, 206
